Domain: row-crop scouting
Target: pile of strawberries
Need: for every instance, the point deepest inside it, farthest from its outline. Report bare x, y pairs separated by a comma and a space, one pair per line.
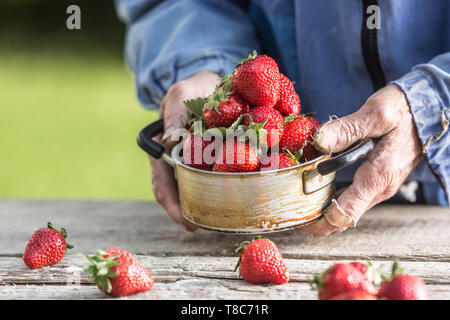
255, 97
117, 273
359, 281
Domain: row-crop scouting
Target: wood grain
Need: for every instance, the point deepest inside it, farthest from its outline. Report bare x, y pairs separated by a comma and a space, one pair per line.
415, 233
199, 265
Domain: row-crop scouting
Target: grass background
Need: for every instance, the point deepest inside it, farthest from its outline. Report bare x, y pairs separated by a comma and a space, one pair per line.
68, 112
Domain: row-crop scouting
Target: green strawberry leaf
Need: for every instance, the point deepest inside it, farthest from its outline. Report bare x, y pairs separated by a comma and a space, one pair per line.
225, 82
195, 106
251, 56
237, 123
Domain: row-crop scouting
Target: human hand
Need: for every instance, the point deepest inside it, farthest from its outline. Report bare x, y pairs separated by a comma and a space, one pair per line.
172, 108
386, 116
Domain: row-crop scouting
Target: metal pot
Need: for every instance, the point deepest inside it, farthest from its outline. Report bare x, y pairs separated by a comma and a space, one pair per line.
253, 202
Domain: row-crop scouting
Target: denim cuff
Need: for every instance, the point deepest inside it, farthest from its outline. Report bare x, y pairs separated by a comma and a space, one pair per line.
431, 118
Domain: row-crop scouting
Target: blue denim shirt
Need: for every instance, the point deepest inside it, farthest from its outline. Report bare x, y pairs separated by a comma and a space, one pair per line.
318, 45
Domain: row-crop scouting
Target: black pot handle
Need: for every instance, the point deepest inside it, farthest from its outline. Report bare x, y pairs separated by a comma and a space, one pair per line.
347, 157
145, 141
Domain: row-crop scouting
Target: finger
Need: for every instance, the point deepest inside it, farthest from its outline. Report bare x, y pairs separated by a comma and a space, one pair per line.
171, 111
319, 228
376, 180
173, 107
374, 119
166, 191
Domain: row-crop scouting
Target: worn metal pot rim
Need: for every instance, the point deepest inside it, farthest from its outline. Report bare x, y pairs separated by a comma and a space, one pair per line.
177, 158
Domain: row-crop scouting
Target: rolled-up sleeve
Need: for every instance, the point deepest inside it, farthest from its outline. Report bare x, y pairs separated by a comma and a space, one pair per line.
427, 88
168, 41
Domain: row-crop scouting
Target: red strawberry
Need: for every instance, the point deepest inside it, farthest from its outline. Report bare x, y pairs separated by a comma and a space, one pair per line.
223, 108
46, 246
289, 101
403, 286
268, 119
194, 152
117, 273
342, 277
256, 79
276, 161
236, 156
369, 271
260, 261
354, 295
298, 136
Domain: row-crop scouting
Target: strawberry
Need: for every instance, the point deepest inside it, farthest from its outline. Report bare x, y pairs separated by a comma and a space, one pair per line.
400, 286
342, 277
268, 119
236, 156
354, 295
256, 79
117, 273
194, 152
46, 246
289, 101
260, 261
369, 271
276, 161
223, 108
298, 135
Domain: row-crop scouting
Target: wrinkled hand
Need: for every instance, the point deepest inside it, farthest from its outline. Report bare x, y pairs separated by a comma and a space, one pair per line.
386, 116
171, 109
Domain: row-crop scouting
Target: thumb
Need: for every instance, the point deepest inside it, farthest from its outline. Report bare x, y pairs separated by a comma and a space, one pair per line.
339, 134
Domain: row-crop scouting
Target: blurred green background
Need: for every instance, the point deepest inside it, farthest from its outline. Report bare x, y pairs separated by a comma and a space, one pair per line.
68, 110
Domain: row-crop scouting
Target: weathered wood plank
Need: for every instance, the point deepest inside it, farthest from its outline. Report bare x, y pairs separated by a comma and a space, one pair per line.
172, 269
190, 289
386, 232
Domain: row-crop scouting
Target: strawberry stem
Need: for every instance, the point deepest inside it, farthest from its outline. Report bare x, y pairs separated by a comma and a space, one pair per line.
239, 250
62, 231
101, 269
251, 56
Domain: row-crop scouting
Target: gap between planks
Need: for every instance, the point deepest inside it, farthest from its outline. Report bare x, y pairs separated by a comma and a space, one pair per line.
172, 269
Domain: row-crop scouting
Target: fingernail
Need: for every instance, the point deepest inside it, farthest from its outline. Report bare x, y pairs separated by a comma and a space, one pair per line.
337, 217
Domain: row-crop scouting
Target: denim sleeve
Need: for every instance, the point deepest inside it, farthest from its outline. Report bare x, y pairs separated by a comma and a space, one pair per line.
168, 41
427, 88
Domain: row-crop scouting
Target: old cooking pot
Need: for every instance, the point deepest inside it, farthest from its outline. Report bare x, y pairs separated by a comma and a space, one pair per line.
253, 202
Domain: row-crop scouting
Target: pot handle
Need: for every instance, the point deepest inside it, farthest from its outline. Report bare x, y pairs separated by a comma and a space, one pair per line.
153, 148
347, 157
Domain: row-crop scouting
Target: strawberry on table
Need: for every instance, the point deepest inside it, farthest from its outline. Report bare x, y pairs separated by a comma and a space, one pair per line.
298, 133
236, 156
46, 246
117, 273
277, 160
400, 286
369, 271
260, 262
289, 101
268, 119
223, 108
341, 278
194, 152
256, 79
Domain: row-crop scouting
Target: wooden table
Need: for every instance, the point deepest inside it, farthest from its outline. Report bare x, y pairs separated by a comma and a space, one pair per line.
200, 265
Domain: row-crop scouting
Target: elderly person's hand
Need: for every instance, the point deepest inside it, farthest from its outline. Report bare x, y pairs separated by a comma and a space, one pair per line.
172, 108
385, 116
